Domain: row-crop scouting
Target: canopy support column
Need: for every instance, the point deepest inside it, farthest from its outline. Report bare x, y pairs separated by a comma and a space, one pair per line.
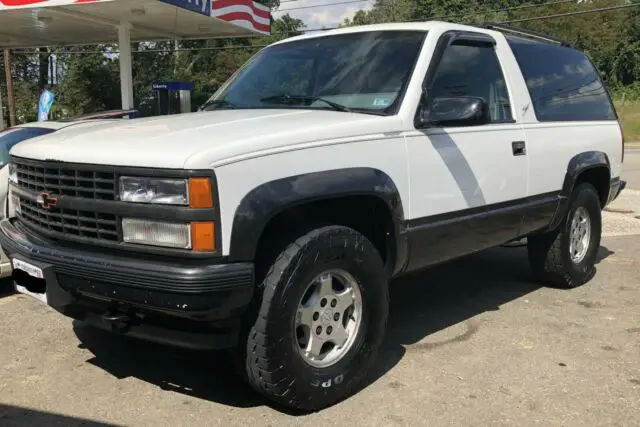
1, 112
126, 67
10, 104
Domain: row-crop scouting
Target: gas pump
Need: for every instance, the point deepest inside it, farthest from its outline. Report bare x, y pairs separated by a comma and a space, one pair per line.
173, 97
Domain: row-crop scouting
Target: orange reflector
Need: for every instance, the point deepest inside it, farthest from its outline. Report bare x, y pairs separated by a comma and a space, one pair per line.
200, 196
203, 237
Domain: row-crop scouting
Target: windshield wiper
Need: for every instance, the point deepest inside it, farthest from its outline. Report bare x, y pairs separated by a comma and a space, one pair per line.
284, 99
219, 103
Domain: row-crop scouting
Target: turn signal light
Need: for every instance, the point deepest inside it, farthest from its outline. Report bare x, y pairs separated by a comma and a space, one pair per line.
200, 195
203, 236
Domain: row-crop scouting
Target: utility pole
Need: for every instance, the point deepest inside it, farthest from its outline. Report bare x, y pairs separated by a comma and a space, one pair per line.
10, 104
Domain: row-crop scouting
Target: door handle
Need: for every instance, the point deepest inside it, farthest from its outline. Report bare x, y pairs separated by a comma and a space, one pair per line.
519, 148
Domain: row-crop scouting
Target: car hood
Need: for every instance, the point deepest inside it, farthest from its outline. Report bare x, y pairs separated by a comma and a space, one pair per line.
203, 139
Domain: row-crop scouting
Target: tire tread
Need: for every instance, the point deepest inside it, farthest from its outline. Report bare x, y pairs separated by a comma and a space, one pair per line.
265, 373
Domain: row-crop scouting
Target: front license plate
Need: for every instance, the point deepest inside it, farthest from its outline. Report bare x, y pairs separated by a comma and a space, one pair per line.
33, 271
30, 269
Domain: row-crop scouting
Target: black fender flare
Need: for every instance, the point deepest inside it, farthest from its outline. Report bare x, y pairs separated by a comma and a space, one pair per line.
577, 166
266, 201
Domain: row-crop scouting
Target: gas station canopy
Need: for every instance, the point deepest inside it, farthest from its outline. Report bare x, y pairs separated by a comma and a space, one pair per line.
36, 23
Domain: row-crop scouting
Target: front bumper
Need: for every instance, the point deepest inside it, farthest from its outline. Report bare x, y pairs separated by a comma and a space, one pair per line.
189, 303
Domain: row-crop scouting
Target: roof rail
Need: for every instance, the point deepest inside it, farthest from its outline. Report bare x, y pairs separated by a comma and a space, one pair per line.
525, 33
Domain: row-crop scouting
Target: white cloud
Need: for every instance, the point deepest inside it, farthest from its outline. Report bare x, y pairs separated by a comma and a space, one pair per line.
324, 15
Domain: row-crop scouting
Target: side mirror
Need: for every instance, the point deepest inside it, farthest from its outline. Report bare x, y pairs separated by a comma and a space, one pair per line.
456, 111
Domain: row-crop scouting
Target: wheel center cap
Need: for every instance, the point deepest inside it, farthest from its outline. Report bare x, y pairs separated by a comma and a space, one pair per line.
327, 316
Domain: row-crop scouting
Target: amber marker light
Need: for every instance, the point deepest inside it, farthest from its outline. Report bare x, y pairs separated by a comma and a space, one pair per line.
200, 195
203, 236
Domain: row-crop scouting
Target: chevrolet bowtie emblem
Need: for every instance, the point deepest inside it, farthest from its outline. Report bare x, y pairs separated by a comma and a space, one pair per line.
46, 201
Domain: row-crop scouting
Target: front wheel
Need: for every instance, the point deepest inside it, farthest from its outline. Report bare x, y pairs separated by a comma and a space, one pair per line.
321, 322
566, 257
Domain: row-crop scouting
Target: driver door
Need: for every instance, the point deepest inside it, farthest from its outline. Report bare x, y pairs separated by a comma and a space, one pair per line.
468, 182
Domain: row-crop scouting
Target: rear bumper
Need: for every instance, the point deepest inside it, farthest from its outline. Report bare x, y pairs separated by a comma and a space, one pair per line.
189, 303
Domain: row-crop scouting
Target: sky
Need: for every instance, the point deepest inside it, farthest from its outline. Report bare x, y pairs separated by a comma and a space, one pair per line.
322, 16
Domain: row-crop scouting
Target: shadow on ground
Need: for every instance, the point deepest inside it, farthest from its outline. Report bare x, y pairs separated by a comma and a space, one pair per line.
6, 288
421, 304
14, 416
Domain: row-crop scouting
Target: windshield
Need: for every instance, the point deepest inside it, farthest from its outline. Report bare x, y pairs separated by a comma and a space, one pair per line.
363, 72
11, 137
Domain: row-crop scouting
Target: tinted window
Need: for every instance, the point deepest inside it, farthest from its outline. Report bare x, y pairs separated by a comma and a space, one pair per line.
11, 137
563, 83
364, 71
473, 70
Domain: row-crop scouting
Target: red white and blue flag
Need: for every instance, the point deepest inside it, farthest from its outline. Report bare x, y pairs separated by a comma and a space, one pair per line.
245, 13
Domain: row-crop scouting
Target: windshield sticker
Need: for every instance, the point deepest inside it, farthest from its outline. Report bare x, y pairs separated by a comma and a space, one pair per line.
381, 102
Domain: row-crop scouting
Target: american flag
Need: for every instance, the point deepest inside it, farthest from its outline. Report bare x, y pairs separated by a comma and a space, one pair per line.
245, 13
15, 4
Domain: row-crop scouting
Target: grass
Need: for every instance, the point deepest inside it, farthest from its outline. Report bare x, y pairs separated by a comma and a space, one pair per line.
629, 114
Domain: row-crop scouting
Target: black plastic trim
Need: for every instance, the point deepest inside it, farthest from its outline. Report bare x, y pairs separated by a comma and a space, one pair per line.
577, 165
263, 203
126, 209
133, 210
177, 277
615, 188
473, 37
441, 45
443, 237
533, 35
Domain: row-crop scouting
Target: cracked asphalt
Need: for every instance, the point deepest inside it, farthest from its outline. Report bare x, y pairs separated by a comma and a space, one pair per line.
474, 342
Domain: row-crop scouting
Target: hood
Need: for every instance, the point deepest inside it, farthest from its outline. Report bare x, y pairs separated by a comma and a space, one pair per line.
203, 139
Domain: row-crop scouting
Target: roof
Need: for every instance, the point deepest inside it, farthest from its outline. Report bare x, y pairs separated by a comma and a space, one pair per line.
29, 23
400, 26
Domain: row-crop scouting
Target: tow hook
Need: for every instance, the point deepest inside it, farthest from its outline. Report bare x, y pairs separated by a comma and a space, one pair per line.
119, 322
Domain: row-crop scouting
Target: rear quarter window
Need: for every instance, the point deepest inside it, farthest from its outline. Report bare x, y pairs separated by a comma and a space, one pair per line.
563, 83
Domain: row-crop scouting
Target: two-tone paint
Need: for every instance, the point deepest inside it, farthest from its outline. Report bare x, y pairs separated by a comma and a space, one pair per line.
446, 180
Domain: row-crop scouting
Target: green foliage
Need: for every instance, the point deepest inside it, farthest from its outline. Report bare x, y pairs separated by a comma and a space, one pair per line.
612, 39
89, 82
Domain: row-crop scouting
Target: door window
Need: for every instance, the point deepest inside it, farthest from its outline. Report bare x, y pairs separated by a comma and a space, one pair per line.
473, 70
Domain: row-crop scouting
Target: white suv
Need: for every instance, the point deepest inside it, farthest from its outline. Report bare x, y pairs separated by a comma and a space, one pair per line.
271, 222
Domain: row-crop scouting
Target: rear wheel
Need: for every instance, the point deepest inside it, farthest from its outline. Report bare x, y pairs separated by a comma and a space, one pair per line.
321, 321
566, 256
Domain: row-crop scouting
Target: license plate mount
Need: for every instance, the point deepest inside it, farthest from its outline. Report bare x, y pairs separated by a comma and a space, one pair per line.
27, 267
33, 271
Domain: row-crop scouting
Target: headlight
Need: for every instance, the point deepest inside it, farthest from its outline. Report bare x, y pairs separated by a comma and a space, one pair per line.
13, 173
154, 233
153, 190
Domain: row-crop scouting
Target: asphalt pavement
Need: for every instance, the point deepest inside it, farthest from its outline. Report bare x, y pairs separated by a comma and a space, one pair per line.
474, 342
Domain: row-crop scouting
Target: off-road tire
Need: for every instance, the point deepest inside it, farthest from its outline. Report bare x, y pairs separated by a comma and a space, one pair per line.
274, 366
549, 254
